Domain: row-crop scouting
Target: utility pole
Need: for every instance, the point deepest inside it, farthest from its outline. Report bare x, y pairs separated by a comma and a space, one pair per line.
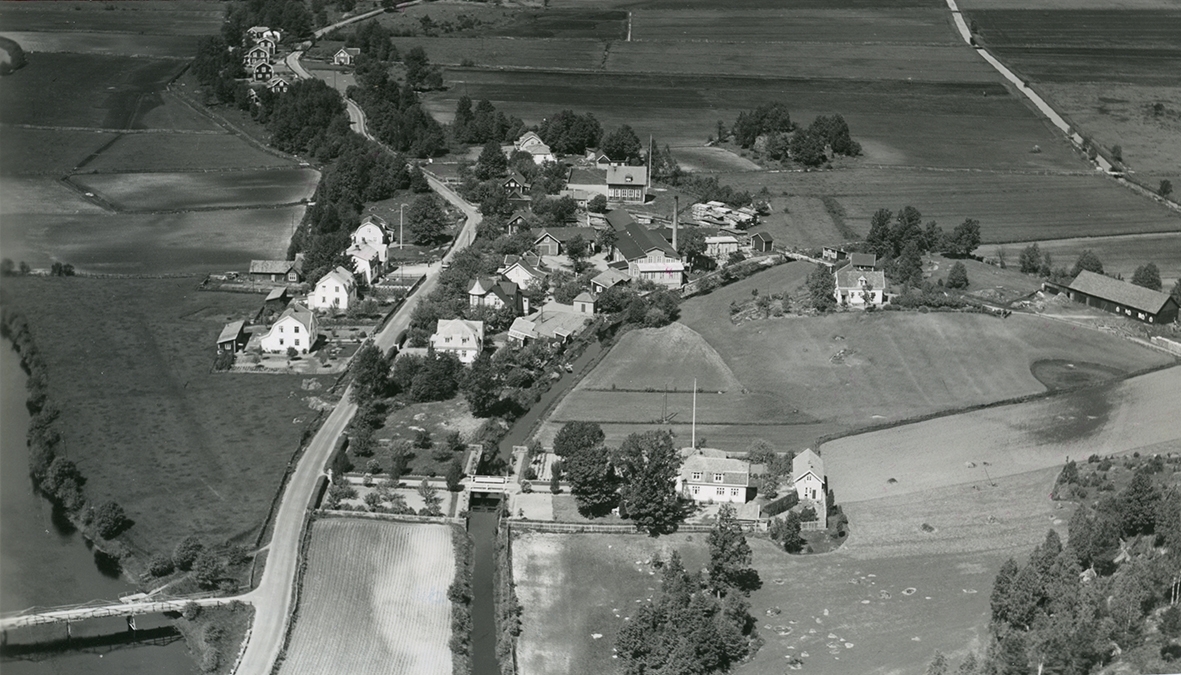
401, 222
694, 433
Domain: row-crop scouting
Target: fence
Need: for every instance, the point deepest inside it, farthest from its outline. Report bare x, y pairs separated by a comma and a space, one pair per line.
395, 517
1165, 343
600, 528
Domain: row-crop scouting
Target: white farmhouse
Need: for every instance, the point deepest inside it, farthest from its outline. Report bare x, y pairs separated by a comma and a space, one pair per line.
860, 288
376, 233
719, 247
461, 337
336, 290
807, 474
531, 143
366, 261
295, 328
709, 476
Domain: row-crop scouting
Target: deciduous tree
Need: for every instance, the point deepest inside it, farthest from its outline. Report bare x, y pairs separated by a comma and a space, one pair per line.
1031, 259
427, 219
1147, 276
592, 480
730, 556
649, 463
623, 145
492, 162
821, 288
958, 276
1088, 261
576, 436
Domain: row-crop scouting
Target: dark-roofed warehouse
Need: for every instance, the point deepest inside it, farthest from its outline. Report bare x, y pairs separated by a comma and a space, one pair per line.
1121, 297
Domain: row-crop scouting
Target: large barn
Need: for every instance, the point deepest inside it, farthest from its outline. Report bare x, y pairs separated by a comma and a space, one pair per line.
1123, 298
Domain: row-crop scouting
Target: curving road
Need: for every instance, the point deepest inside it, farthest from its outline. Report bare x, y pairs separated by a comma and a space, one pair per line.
274, 598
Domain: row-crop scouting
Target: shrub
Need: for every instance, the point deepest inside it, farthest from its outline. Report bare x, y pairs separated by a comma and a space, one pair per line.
109, 520
223, 361
160, 565
191, 611
186, 552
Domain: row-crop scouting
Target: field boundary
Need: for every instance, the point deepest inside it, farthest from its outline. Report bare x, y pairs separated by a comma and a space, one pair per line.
550, 527
392, 517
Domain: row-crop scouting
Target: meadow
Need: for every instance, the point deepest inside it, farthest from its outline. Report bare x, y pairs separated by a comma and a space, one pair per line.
48, 151
126, 44
184, 450
793, 379
181, 152
202, 190
374, 600
150, 17
884, 26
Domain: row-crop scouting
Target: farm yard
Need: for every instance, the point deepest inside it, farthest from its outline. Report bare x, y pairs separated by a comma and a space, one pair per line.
827, 374
374, 600
184, 450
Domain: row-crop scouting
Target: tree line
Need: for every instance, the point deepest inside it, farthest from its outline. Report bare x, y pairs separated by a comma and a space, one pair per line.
784, 140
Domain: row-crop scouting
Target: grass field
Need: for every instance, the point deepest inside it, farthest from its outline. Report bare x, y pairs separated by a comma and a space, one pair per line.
125, 44
1120, 255
183, 191
801, 377
47, 151
181, 152
150, 17
888, 26
182, 449
374, 600
1010, 206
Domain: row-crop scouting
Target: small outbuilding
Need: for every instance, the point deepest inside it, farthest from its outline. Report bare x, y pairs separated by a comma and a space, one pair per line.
233, 337
760, 242
346, 56
585, 303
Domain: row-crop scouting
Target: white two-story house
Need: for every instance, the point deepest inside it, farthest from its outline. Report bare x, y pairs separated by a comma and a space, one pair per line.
336, 290
461, 337
709, 476
296, 328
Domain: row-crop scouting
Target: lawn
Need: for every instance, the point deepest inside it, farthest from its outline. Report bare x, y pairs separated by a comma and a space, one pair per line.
800, 377
182, 449
205, 190
438, 419
374, 600
182, 152
1120, 255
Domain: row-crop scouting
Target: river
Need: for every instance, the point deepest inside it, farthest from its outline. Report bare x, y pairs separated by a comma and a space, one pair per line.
44, 563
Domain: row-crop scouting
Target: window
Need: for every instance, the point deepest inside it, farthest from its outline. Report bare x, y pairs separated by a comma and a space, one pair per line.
696, 489
719, 477
296, 342
296, 330
733, 492
721, 491
280, 329
280, 340
697, 475
324, 299
338, 289
447, 339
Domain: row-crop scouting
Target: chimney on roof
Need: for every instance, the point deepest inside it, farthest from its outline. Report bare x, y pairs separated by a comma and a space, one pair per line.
676, 218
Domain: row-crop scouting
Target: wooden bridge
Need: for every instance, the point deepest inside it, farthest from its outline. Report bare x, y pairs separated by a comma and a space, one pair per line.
130, 608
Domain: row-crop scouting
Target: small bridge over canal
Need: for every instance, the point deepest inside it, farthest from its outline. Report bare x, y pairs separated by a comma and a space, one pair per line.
130, 608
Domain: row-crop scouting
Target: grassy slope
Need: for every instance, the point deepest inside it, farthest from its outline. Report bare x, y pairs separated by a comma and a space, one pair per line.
374, 600
184, 450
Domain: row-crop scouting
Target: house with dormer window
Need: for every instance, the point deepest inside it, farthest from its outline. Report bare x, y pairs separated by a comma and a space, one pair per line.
461, 337
710, 476
859, 288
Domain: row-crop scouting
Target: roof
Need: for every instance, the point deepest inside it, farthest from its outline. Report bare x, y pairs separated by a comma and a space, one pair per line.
459, 328
565, 234
519, 213
761, 235
276, 293
523, 328
609, 277
721, 239
351, 51
1119, 292
585, 297
231, 332
362, 251
258, 48
558, 320
705, 464
298, 312
375, 220
666, 266
863, 259
807, 462
275, 266
587, 177
517, 176
619, 219
627, 175
340, 274
529, 269
636, 242
852, 279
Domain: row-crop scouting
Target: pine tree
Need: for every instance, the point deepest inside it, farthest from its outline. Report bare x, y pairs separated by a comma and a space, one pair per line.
878, 240
958, 276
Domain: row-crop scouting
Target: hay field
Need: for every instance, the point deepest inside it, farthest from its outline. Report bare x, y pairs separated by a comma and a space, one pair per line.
1120, 255
205, 190
1134, 415
1011, 207
374, 600
150, 17
560, 54
125, 44
182, 449
47, 151
182, 152
884, 26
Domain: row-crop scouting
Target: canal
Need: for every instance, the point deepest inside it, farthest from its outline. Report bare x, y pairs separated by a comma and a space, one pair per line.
44, 562
483, 521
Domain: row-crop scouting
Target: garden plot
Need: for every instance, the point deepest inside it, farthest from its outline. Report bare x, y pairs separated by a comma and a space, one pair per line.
374, 600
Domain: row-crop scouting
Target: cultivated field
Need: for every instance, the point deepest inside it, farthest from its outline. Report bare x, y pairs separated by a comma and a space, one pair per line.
793, 379
374, 600
885, 26
126, 44
1120, 255
150, 17
181, 152
183, 191
182, 449
47, 151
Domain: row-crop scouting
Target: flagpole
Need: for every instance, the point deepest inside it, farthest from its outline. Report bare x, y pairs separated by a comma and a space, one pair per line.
694, 432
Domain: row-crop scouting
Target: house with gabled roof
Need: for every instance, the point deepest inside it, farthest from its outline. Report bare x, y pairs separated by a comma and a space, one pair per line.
257, 32
708, 475
290, 271
516, 183
463, 338
335, 291
278, 85
262, 72
346, 56
1123, 298
531, 143
495, 293
256, 55
518, 221
584, 303
267, 44
366, 261
233, 337
863, 261
627, 184
524, 271
608, 278
649, 256
375, 232
761, 242
720, 247
858, 288
552, 240
810, 483
296, 328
